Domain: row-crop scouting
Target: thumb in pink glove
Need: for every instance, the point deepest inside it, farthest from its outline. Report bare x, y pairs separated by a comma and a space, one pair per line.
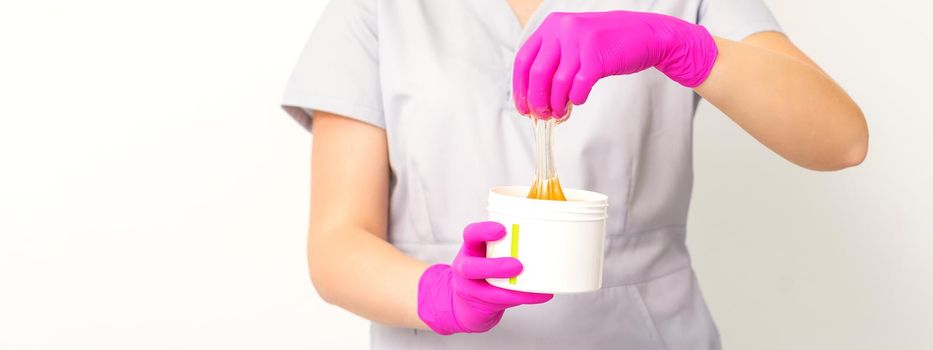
569, 52
457, 299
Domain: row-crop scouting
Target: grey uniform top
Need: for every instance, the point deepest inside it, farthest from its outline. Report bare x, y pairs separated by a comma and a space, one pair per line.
436, 75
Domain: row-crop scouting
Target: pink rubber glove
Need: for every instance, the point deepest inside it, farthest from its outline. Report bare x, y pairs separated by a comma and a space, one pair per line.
569, 52
457, 299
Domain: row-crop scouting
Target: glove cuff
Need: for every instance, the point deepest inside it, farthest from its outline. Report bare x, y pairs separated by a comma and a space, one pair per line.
694, 57
435, 300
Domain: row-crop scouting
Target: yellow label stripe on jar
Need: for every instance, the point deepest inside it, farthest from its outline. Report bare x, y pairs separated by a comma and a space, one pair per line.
514, 250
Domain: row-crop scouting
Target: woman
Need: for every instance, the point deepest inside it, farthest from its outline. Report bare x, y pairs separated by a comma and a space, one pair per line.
414, 107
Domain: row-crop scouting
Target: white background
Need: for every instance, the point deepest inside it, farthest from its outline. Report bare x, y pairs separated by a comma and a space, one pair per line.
153, 195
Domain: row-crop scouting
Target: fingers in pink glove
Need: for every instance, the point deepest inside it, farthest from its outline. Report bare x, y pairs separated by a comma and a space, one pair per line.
473, 267
569, 52
476, 235
589, 73
498, 298
456, 298
563, 79
540, 75
520, 73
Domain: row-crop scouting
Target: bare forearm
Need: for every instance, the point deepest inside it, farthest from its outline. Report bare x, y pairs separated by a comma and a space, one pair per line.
367, 276
788, 104
351, 263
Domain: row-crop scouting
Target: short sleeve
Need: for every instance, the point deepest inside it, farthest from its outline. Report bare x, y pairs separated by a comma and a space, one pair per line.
338, 71
736, 19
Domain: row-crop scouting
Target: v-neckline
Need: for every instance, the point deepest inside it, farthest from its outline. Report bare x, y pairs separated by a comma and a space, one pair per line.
523, 31
518, 18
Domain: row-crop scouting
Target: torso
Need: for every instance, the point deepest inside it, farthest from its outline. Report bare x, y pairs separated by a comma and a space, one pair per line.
453, 133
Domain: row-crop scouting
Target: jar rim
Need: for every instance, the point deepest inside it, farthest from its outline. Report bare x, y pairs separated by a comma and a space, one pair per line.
575, 198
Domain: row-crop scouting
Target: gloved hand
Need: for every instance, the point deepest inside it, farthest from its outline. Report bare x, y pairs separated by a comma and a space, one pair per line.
569, 52
456, 298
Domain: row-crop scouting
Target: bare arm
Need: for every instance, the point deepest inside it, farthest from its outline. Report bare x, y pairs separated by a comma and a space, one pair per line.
351, 263
779, 96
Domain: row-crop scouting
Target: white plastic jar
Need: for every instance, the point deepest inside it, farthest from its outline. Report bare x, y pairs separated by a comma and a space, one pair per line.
559, 243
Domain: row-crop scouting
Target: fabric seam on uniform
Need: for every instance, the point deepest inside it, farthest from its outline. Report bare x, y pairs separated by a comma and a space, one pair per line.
645, 231
312, 95
331, 104
641, 233
652, 279
646, 317
739, 32
628, 198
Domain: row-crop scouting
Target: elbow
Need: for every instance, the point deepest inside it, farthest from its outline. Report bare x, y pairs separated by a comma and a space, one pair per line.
850, 145
855, 155
318, 272
856, 149
322, 288
849, 154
